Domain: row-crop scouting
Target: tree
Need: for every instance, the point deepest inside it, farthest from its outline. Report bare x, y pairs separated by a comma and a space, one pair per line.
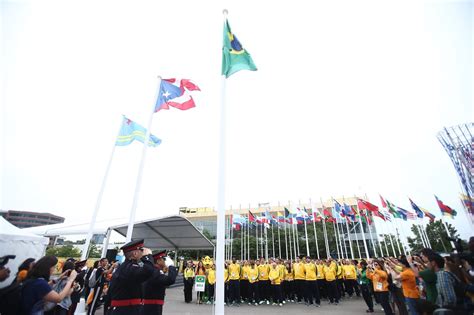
94, 252
436, 235
63, 251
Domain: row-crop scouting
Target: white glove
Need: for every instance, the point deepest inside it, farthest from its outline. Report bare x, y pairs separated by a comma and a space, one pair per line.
168, 262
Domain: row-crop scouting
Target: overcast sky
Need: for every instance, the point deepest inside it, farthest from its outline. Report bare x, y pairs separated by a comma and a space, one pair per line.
348, 99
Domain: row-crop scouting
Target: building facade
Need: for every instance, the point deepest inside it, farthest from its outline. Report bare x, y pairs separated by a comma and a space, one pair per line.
25, 219
205, 219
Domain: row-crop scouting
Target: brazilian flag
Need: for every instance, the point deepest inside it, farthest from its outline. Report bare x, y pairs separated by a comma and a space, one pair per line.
234, 56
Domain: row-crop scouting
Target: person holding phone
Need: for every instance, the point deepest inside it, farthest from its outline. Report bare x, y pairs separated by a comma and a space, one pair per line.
379, 277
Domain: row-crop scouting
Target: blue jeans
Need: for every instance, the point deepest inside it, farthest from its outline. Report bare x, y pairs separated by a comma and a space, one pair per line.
411, 303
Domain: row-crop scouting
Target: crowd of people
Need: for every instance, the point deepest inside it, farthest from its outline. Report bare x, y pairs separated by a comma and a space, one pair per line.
37, 290
426, 283
415, 284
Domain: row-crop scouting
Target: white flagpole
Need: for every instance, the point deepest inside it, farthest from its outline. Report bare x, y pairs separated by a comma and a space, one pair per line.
231, 227
266, 241
326, 240
354, 225
133, 211
384, 240
363, 234
220, 241
279, 240
306, 233
372, 239
295, 244
248, 236
256, 237
314, 228
286, 240
261, 238
350, 241
85, 249
448, 233
273, 240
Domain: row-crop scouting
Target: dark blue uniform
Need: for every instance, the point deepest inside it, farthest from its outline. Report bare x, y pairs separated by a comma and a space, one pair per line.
154, 290
126, 286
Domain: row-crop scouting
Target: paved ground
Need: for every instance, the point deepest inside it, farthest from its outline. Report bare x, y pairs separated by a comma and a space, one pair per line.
175, 305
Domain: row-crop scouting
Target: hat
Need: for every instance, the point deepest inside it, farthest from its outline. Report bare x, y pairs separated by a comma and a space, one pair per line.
159, 255
71, 259
80, 264
133, 245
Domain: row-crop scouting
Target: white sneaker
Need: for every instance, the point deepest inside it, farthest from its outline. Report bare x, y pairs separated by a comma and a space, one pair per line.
280, 304
261, 302
268, 303
274, 304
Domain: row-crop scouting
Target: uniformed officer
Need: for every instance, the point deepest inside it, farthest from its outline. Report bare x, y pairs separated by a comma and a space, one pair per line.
126, 285
154, 288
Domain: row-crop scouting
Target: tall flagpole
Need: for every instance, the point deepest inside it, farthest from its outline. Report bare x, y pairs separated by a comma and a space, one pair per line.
363, 234
326, 241
354, 225
314, 228
256, 238
286, 239
273, 242
133, 211
85, 249
231, 227
248, 236
350, 241
262, 227
221, 199
372, 239
306, 234
447, 232
266, 241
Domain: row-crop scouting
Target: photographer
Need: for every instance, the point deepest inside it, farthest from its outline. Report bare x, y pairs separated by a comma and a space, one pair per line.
37, 291
408, 281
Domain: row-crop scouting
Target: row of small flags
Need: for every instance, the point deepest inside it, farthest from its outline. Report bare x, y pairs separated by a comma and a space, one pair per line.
364, 211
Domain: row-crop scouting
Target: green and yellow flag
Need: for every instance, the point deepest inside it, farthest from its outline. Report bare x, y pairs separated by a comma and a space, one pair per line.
234, 56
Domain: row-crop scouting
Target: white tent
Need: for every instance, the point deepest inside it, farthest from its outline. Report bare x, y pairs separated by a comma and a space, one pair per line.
15, 241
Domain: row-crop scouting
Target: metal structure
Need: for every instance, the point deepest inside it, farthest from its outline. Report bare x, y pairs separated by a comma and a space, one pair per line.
458, 141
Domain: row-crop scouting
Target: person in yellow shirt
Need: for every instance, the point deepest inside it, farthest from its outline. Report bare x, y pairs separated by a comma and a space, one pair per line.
264, 282
188, 275
275, 276
235, 271
244, 281
211, 282
376, 272
320, 279
288, 284
339, 278
330, 277
253, 283
312, 291
300, 278
350, 278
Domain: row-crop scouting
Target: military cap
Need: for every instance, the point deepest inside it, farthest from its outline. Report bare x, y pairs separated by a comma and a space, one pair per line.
133, 245
159, 255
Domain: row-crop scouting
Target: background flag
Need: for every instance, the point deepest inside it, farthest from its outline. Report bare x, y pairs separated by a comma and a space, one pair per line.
172, 94
445, 210
417, 209
234, 56
131, 131
362, 204
428, 215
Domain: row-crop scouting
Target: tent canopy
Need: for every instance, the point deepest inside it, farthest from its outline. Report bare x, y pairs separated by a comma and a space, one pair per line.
22, 244
170, 233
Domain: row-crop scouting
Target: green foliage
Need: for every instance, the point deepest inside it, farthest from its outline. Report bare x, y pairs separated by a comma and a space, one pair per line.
63, 251
437, 236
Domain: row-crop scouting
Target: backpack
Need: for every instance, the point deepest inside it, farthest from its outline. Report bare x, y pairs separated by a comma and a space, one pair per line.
92, 279
10, 298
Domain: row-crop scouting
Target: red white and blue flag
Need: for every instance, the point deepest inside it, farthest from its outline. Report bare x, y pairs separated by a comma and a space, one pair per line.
176, 94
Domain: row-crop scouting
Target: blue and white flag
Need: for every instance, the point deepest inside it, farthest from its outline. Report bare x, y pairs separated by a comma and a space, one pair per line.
131, 131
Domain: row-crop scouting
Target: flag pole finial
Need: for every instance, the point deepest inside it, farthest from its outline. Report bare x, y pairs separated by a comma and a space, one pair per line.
159, 77
225, 12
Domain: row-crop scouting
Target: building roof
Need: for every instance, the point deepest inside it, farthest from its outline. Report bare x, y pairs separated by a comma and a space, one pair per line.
171, 233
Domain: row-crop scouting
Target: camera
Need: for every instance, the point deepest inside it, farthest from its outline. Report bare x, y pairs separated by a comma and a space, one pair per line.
4, 260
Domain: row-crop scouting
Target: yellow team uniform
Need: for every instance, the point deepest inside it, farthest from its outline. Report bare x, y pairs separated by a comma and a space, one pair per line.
349, 272
320, 272
275, 276
339, 274
226, 275
253, 274
299, 271
282, 269
234, 271
263, 271
211, 276
188, 273
310, 271
329, 273
245, 273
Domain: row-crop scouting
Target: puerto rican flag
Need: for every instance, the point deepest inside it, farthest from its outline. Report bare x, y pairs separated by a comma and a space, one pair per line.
176, 93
